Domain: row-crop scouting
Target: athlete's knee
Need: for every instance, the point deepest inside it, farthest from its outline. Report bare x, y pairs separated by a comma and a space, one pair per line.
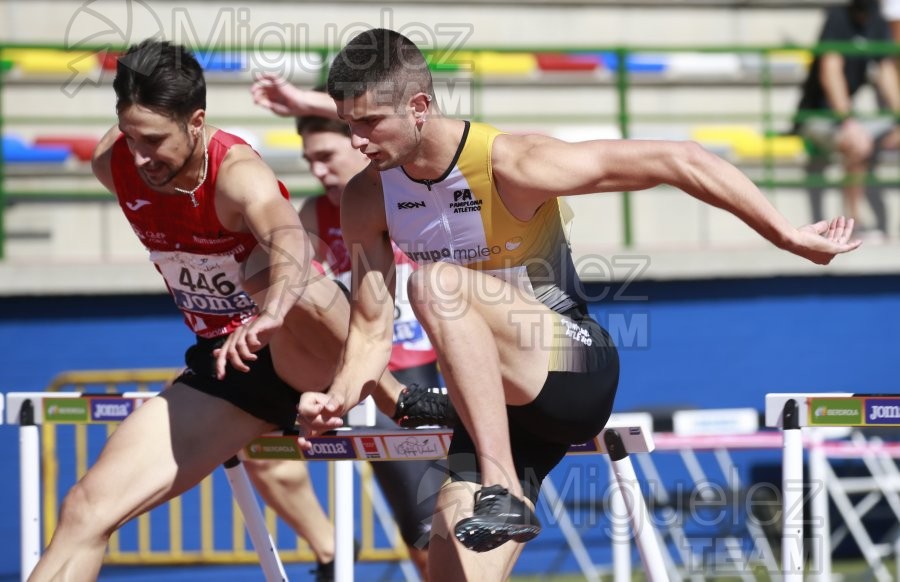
438, 288
290, 474
82, 512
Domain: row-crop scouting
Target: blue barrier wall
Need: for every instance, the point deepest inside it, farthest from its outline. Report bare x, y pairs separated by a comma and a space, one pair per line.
703, 344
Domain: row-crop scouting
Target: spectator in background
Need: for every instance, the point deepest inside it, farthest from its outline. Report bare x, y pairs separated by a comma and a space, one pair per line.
890, 9
826, 118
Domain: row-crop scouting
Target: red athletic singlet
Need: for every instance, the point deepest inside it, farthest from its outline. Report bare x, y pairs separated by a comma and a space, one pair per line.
328, 221
199, 258
411, 346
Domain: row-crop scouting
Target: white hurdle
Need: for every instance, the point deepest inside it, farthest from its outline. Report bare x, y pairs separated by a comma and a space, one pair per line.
25, 409
31, 409
348, 444
717, 433
792, 412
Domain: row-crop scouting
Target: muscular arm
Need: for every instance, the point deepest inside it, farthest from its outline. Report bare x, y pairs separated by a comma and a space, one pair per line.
277, 271
368, 345
533, 169
248, 199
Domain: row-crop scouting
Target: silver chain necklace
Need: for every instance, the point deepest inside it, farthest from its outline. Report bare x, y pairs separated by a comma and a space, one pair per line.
193, 191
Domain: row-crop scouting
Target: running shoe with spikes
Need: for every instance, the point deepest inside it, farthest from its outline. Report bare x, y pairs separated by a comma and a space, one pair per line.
421, 406
498, 518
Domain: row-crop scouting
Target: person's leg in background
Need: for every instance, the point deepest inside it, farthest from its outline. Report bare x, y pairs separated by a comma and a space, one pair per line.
856, 145
164, 448
286, 487
874, 192
411, 487
815, 176
819, 144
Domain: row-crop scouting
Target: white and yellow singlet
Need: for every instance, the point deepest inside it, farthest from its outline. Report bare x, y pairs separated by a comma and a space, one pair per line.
460, 218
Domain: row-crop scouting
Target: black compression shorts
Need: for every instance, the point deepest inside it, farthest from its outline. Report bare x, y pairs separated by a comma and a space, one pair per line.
259, 392
571, 408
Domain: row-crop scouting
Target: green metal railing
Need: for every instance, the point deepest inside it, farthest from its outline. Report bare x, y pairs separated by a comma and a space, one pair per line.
622, 82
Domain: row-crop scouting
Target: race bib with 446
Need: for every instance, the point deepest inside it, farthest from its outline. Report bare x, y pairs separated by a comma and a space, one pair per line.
207, 288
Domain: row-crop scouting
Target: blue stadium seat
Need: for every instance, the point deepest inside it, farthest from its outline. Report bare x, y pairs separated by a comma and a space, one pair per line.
636, 63
15, 150
221, 62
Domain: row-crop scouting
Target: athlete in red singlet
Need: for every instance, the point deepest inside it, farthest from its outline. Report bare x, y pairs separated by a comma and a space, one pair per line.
220, 230
199, 258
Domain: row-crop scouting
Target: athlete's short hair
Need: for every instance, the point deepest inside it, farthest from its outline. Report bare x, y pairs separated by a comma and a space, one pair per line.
382, 61
161, 76
316, 124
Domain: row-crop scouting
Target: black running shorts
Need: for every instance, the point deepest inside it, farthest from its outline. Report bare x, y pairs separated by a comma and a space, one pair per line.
259, 392
571, 408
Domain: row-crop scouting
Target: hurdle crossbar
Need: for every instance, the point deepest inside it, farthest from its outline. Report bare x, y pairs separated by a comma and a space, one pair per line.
791, 412
345, 445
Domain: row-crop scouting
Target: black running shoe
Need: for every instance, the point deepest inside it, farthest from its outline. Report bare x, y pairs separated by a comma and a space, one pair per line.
324, 572
420, 406
499, 517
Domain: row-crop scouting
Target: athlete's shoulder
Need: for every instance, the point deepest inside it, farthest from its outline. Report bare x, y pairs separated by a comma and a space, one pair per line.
226, 138
366, 182
480, 127
113, 142
362, 202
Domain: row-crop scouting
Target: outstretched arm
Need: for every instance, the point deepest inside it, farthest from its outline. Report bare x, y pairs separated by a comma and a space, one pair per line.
281, 98
533, 169
368, 346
